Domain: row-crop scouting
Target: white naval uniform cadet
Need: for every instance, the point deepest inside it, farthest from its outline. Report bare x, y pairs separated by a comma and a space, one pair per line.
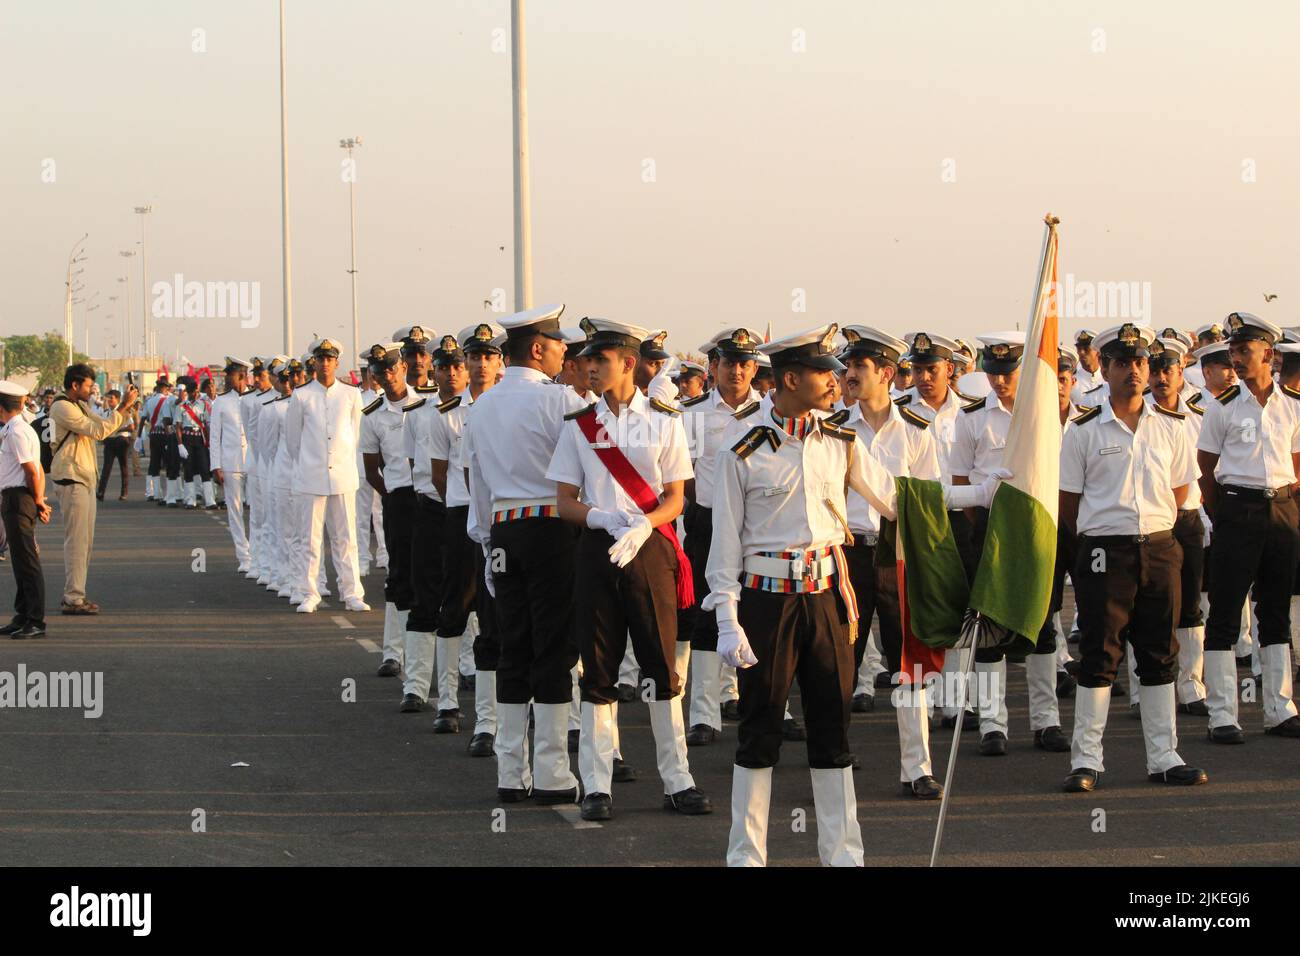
270, 425
370, 506
228, 447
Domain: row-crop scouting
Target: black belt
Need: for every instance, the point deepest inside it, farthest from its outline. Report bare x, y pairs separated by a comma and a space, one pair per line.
1258, 494
1109, 540
16, 490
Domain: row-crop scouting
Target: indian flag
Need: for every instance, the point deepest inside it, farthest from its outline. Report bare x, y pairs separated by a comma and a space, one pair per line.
1013, 584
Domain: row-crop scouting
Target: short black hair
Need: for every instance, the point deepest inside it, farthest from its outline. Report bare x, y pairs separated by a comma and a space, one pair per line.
112, 392
76, 373
1290, 363
520, 348
11, 403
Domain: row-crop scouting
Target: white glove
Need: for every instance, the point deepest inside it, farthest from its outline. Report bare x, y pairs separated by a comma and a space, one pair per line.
629, 539
183, 452
487, 571
609, 521
733, 645
974, 496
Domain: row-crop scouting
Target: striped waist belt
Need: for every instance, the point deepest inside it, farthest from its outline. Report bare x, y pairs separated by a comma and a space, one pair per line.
790, 572
511, 509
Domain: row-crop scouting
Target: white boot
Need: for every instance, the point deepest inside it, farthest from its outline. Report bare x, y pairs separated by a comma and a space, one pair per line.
394, 633
1221, 688
173, 490
419, 654
575, 701
551, 742
913, 732
596, 748
1159, 728
466, 666
629, 672
991, 679
682, 667
187, 492
1040, 672
1191, 664
728, 687
1134, 682
670, 745
705, 677
448, 673
1091, 707
209, 494
485, 702
873, 660
1275, 695
511, 745
751, 797
839, 838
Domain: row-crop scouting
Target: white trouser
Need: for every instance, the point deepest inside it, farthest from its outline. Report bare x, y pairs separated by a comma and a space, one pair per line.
466, 666
682, 667
551, 769
256, 518
1159, 728
629, 672
1091, 706
670, 745
706, 675
953, 677
1134, 683
1191, 664
394, 632
871, 665
913, 732
1062, 645
751, 798
1295, 627
596, 748
1275, 696
992, 680
1040, 673
235, 485
370, 506
485, 702
336, 512
286, 531
839, 838
420, 653
514, 770
209, 493
448, 672
575, 699
728, 686
1221, 688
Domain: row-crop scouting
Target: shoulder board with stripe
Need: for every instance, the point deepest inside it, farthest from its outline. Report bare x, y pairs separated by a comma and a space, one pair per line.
1229, 394
844, 434
1194, 403
1087, 416
903, 400
272, 401
1147, 390
692, 402
580, 412
284, 397
964, 397
912, 418
1288, 390
426, 389
372, 406
975, 406
265, 391
839, 418
1164, 411
745, 412
227, 391
1095, 388
754, 438
414, 405
664, 407
449, 404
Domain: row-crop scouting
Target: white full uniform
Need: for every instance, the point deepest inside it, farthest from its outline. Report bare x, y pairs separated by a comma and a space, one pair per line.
370, 507
251, 407
228, 450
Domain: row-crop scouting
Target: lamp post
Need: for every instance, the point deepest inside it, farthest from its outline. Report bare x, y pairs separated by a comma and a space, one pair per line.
74, 257
350, 144
113, 336
127, 254
284, 196
143, 211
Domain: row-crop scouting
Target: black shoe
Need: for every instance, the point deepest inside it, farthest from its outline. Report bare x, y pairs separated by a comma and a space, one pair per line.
174, 504
731, 710
597, 806
1072, 668
864, 703
556, 796
1288, 728
1053, 739
1082, 780
884, 680
1065, 684
689, 801
29, 633
160, 502
1181, 775
969, 722
993, 744
1229, 734
447, 722
857, 764
1243, 663
626, 693
480, 745
924, 788
512, 795
791, 729
466, 682
411, 704
701, 735
575, 738
1117, 690
99, 496
622, 772
389, 668
1196, 708
12, 628
211, 507
1072, 637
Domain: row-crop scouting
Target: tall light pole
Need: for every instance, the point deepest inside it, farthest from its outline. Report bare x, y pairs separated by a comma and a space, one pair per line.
89, 309
523, 213
350, 144
127, 254
74, 257
143, 211
113, 298
126, 317
284, 197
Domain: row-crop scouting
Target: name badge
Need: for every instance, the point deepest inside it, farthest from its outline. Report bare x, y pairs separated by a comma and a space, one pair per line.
773, 492
1112, 450
602, 444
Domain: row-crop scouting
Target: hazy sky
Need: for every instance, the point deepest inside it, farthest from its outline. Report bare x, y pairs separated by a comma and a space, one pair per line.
891, 160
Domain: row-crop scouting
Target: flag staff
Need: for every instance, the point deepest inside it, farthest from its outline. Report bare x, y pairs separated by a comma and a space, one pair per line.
523, 211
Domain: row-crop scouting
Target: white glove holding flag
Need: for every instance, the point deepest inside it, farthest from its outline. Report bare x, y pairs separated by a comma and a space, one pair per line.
487, 571
610, 521
183, 452
975, 496
628, 540
733, 645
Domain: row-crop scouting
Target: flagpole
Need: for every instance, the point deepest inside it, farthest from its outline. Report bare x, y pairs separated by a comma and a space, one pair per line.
523, 211
968, 659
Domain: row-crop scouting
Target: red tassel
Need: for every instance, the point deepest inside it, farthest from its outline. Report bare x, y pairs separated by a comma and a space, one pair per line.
685, 581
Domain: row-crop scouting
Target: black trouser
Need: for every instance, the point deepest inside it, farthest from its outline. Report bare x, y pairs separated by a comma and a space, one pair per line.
1128, 590
1046, 643
18, 512
426, 564
876, 589
610, 603
1255, 545
458, 581
196, 461
163, 454
795, 634
115, 450
487, 646
699, 536
399, 530
1189, 532
532, 565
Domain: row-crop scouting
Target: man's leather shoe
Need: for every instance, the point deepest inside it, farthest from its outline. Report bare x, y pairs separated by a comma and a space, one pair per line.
626, 693
447, 722
969, 721
884, 679
1196, 708
389, 668
556, 796
1065, 684
1181, 775
730, 710
480, 745
1117, 690
689, 801
791, 729
1288, 728
1229, 734
574, 741
700, 735
411, 704
993, 744
864, 703
1081, 780
1053, 739
924, 788
1072, 668
510, 795
12, 628
597, 806
30, 632
1244, 663
622, 772
80, 608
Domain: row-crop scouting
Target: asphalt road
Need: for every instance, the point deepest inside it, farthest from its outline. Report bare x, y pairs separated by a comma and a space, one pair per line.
205, 670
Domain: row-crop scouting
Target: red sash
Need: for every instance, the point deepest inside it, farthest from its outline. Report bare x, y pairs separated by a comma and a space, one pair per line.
630, 480
197, 421
153, 419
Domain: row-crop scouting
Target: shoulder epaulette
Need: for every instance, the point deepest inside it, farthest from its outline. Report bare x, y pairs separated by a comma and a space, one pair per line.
975, 406
1288, 390
425, 389
1087, 416
1147, 390
692, 402
413, 405
1229, 394
225, 391
264, 391
372, 406
449, 404
844, 434
839, 418
1095, 388
912, 418
903, 400
1194, 403
276, 399
284, 397
580, 412
963, 396
664, 407
748, 410
753, 439
1164, 411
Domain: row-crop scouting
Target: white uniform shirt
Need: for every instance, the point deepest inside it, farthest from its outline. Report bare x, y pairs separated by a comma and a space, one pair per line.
979, 439
513, 433
250, 404
706, 420
383, 433
282, 462
1194, 376
1127, 479
1096, 395
903, 446
227, 443
18, 446
324, 426
1083, 381
270, 427
446, 429
155, 402
654, 442
1191, 427
415, 443
1254, 444
943, 423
